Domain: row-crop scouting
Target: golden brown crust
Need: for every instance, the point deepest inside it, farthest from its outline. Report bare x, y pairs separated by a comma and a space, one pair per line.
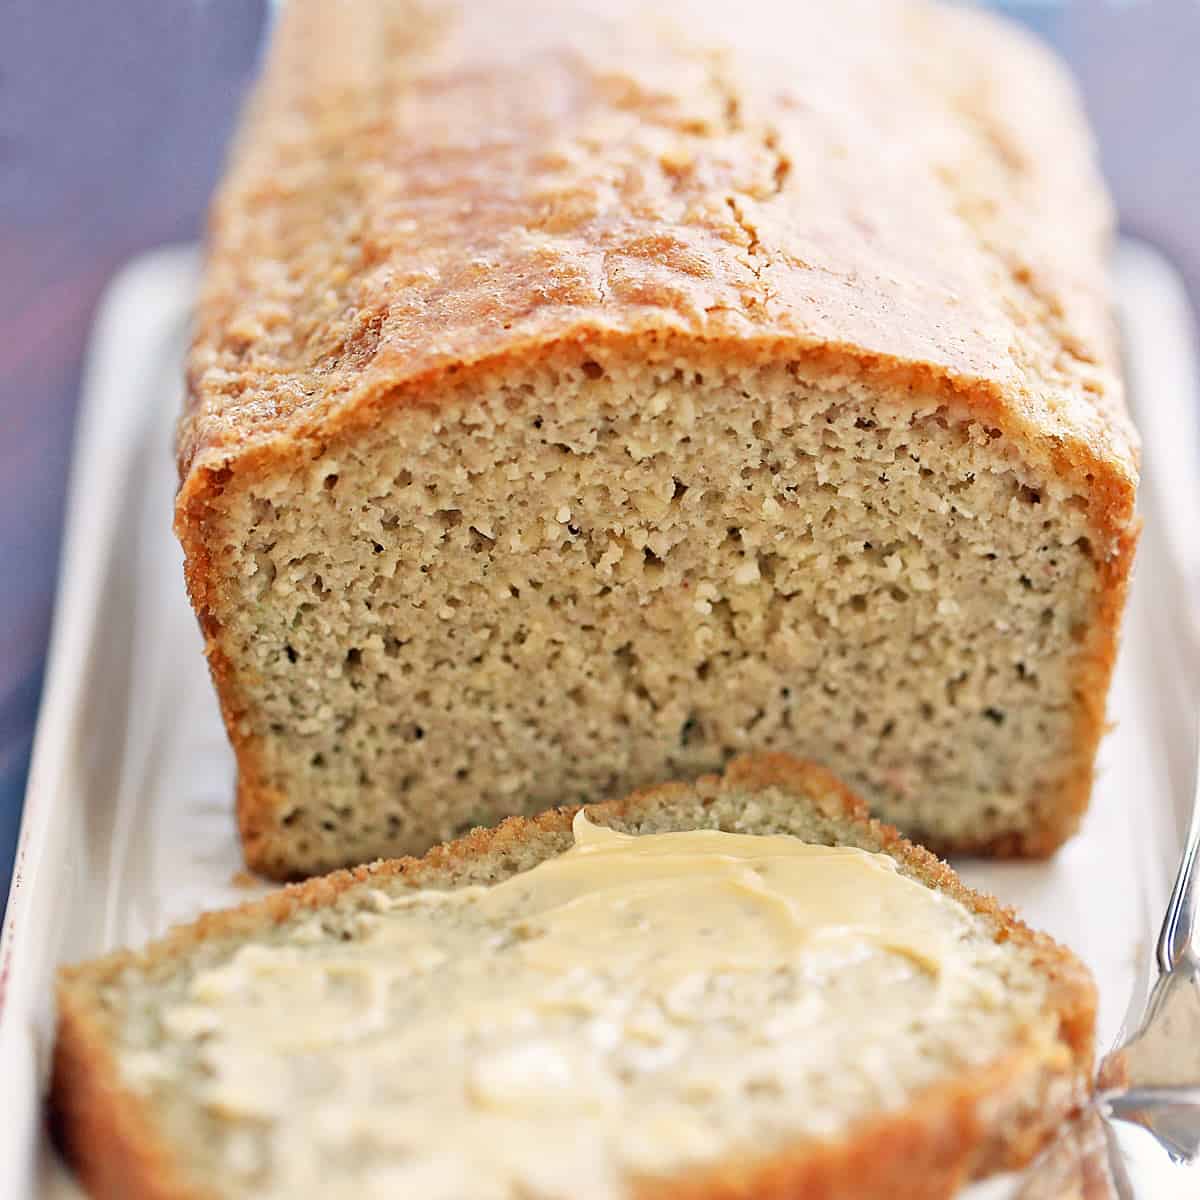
923, 1153
420, 192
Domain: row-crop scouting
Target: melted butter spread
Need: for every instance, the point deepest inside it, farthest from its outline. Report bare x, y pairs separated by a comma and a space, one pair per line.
703, 900
633, 1005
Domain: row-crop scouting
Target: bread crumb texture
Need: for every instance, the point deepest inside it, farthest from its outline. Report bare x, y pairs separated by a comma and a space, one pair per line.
584, 393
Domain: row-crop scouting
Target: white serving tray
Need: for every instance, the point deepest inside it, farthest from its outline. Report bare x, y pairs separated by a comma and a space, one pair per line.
128, 827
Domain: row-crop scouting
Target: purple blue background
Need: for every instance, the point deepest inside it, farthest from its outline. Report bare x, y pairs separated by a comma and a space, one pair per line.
113, 118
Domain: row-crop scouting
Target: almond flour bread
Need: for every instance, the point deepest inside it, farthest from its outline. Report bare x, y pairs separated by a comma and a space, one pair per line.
584, 393
667, 1014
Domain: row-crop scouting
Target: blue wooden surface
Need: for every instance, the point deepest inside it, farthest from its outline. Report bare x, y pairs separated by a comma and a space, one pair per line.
112, 123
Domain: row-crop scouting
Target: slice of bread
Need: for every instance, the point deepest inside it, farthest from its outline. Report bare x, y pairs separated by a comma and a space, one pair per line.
311, 1043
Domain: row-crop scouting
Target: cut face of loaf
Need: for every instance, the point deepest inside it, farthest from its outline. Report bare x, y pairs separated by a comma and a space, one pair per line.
569, 581
683, 415
464, 1041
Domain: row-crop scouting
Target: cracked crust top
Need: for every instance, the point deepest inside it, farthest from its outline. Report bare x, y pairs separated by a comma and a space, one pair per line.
873, 187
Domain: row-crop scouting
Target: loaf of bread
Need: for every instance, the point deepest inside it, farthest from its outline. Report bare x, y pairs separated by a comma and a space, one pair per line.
585, 393
702, 1015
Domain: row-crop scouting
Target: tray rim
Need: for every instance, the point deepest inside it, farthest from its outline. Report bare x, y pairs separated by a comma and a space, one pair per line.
105, 443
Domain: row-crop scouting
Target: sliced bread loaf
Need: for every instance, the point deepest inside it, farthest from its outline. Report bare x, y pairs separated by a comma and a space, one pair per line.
668, 1014
585, 393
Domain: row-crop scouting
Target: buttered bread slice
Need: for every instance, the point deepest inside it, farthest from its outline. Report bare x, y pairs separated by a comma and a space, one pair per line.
736, 987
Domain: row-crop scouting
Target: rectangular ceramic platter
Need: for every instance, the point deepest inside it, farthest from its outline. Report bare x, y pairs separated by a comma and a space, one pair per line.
128, 825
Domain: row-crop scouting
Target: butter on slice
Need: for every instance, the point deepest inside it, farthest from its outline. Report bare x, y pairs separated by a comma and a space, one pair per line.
704, 900
437, 1036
